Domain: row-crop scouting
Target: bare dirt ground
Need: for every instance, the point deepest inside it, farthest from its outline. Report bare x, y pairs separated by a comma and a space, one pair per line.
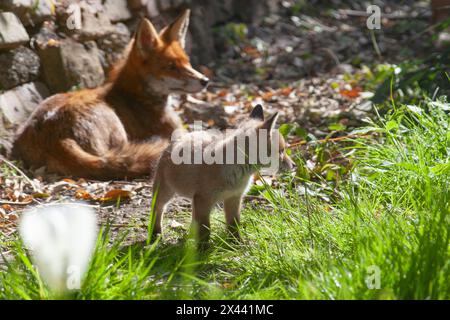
310, 64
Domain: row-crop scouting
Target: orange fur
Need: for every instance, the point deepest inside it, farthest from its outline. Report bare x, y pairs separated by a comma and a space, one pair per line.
105, 133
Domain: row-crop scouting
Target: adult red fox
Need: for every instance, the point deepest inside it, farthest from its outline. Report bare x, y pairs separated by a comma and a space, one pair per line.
120, 129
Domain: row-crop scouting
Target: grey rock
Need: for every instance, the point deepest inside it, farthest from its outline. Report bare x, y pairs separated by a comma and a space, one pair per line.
16, 105
117, 10
30, 12
93, 22
12, 31
68, 64
152, 8
17, 67
112, 47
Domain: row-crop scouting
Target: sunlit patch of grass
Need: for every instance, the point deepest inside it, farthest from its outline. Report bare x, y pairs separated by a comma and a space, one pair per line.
387, 221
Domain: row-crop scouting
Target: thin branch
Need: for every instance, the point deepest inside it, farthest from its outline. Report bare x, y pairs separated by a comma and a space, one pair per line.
332, 55
35, 189
13, 203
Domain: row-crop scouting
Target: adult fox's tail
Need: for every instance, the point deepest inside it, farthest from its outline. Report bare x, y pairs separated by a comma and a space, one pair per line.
129, 161
133, 160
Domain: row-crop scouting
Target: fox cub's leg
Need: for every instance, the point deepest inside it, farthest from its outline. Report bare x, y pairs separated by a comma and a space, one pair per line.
202, 207
163, 195
232, 208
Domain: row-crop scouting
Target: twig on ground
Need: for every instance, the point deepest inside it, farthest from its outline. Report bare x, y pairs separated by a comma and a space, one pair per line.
332, 55
9, 163
16, 203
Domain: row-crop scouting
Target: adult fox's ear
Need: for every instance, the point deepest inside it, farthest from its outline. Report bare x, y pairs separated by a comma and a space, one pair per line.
147, 38
269, 125
177, 30
257, 113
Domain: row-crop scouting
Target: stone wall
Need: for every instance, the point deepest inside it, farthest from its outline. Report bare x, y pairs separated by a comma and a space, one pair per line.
51, 46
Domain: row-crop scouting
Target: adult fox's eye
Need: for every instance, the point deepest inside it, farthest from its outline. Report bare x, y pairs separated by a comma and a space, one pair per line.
172, 67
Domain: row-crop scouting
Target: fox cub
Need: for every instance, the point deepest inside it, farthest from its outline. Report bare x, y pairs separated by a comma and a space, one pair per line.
206, 183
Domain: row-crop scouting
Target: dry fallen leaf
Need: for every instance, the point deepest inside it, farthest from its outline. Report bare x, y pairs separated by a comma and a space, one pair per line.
12, 217
115, 195
7, 207
82, 194
353, 93
69, 181
40, 195
176, 225
268, 96
26, 199
251, 51
222, 93
286, 91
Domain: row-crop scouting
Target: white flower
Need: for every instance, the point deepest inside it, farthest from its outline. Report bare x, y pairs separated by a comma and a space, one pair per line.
62, 239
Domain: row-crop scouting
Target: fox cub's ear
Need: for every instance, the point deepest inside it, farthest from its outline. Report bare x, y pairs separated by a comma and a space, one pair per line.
269, 125
147, 38
257, 113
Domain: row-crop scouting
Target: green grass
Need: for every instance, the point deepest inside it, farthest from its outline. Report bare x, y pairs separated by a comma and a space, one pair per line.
390, 213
